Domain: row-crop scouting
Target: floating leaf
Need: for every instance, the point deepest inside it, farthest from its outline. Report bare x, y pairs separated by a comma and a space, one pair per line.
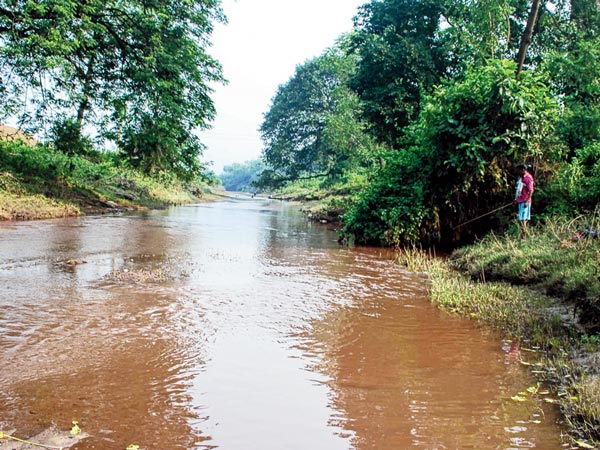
133, 447
75, 430
518, 398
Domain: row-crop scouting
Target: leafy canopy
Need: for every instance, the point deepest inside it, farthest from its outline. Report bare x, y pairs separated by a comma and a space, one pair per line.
135, 70
463, 147
311, 129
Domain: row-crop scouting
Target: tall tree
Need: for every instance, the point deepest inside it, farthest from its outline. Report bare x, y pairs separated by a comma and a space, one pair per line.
98, 62
527, 34
311, 129
475, 31
241, 176
399, 58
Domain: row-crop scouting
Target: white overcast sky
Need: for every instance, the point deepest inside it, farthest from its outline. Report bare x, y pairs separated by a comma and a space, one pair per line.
259, 49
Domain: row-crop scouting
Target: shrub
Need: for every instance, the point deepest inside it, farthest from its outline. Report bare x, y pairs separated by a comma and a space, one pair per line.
392, 209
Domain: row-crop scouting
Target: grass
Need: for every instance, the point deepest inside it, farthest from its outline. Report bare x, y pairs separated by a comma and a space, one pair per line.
30, 207
39, 182
585, 406
17, 204
517, 310
552, 259
515, 301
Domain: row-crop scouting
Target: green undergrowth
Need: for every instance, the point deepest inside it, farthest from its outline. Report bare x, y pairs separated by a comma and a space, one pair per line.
16, 203
40, 182
569, 354
323, 201
557, 257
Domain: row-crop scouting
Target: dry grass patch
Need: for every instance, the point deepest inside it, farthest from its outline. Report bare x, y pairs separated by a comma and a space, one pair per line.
30, 207
585, 404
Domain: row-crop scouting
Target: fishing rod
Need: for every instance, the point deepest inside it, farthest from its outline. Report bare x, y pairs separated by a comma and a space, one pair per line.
483, 215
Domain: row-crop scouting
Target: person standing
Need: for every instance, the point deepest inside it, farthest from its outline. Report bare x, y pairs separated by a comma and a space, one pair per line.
523, 196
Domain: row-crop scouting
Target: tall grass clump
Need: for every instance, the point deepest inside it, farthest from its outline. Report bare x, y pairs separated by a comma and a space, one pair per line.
585, 405
517, 311
559, 257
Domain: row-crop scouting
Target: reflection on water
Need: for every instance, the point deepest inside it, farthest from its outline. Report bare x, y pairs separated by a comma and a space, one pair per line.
240, 325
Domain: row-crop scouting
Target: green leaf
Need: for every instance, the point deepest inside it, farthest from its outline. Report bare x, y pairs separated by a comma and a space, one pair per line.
75, 430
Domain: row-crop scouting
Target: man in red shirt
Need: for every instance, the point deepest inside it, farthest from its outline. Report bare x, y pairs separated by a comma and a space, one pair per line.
523, 197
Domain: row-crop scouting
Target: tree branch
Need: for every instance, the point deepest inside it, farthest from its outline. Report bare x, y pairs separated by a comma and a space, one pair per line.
527, 34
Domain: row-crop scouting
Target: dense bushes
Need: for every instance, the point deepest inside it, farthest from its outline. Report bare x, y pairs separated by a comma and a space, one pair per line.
46, 165
93, 180
392, 209
459, 158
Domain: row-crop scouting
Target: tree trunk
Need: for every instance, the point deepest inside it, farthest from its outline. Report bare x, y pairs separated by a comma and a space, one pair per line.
85, 95
527, 34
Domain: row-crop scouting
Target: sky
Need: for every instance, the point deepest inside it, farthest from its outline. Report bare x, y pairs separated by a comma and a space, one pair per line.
259, 49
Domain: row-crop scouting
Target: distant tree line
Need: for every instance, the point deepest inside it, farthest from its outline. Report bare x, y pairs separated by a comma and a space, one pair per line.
241, 177
435, 102
137, 71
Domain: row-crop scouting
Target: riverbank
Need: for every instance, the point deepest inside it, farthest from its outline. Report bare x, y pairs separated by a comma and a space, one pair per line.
543, 292
325, 205
37, 182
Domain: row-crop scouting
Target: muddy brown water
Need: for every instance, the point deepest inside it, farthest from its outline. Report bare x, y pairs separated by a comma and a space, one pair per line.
240, 325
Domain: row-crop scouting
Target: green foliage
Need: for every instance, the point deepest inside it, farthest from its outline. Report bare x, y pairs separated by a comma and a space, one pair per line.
67, 138
399, 59
124, 68
576, 185
155, 145
392, 208
576, 76
475, 130
469, 135
240, 177
479, 30
311, 128
38, 163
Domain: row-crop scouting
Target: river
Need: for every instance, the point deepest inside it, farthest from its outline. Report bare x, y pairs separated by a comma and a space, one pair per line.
240, 325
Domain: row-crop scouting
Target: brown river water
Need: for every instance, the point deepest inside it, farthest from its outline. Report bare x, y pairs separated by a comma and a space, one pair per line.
240, 325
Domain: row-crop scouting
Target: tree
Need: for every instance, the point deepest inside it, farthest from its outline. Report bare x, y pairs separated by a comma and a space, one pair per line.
573, 63
475, 31
311, 129
527, 34
469, 135
399, 58
475, 130
120, 66
240, 177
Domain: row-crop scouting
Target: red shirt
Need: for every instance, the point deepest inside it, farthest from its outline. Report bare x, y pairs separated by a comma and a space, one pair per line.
527, 190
